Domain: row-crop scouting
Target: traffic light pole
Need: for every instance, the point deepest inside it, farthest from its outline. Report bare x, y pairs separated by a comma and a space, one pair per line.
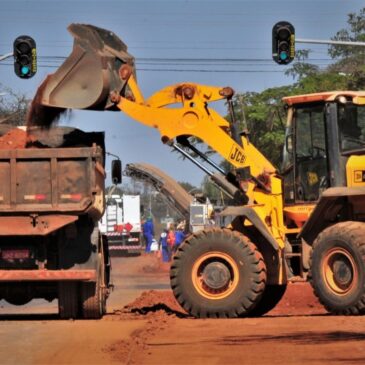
337, 43
5, 56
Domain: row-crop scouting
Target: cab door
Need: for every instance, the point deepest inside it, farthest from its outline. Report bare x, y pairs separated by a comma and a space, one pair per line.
311, 175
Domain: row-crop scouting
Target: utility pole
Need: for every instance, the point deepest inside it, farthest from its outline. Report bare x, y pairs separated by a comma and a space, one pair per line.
5, 56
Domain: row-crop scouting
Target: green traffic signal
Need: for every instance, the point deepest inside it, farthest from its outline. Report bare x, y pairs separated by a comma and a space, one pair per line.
25, 70
25, 57
283, 43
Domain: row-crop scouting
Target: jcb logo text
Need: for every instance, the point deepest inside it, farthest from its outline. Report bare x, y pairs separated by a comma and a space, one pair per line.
237, 155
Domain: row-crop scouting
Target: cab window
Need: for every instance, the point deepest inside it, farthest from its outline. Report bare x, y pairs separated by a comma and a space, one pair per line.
311, 171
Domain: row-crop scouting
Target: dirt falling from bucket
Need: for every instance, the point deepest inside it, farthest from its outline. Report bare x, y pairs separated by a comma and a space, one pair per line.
42, 115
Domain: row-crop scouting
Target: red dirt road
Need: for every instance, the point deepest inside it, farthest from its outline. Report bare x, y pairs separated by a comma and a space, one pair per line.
153, 329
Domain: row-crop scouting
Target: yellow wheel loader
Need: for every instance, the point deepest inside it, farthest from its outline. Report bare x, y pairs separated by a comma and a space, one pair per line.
306, 222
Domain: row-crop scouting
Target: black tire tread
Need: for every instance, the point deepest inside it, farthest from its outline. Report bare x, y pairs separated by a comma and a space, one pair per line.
68, 300
90, 301
271, 297
355, 233
256, 262
93, 306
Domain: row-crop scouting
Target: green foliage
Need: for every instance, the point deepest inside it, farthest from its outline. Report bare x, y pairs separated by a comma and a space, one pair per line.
263, 115
188, 187
113, 190
301, 69
265, 119
210, 190
355, 33
351, 60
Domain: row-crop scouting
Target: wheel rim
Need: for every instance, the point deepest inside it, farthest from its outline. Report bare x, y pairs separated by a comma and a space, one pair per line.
215, 275
339, 271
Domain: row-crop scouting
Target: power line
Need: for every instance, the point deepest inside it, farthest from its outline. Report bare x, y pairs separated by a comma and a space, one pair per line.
158, 61
179, 70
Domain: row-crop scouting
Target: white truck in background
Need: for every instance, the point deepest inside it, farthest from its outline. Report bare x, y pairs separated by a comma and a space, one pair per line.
121, 224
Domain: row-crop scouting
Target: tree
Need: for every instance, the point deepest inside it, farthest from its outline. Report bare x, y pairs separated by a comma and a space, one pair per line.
264, 115
187, 186
354, 33
351, 60
264, 119
113, 190
210, 190
301, 69
13, 107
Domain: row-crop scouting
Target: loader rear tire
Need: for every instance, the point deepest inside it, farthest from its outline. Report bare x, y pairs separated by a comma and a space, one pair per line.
68, 300
337, 268
271, 297
218, 273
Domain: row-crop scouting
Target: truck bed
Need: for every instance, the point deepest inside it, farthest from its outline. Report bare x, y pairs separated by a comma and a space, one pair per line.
51, 180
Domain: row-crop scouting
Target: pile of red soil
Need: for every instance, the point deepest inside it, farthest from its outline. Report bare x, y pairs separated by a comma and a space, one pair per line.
155, 301
124, 351
16, 138
298, 300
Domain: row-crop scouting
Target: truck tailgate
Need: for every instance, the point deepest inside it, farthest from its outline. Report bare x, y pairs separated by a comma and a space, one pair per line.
50, 179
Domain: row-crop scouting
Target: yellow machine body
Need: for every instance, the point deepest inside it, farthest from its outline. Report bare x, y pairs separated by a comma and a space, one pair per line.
279, 207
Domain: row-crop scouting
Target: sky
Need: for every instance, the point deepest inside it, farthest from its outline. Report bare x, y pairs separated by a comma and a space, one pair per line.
221, 43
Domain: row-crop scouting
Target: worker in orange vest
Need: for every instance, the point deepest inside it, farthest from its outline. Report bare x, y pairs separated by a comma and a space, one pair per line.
171, 239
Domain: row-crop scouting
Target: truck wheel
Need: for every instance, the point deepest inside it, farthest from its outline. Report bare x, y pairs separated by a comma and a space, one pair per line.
93, 295
218, 273
271, 297
68, 300
337, 269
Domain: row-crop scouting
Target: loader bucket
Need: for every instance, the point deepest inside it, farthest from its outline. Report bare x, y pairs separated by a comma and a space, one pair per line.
89, 74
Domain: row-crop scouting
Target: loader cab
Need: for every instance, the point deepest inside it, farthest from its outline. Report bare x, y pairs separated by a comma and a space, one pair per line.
324, 132
305, 154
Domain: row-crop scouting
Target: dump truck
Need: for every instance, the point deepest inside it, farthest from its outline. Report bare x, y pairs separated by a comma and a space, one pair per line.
121, 224
51, 198
307, 221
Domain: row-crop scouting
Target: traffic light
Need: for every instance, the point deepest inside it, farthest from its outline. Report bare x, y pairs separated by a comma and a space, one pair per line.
283, 43
25, 57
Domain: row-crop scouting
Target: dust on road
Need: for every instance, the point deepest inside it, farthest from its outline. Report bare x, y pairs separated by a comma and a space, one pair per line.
145, 325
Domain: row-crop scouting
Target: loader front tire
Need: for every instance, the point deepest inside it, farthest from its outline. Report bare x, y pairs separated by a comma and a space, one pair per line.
218, 273
337, 268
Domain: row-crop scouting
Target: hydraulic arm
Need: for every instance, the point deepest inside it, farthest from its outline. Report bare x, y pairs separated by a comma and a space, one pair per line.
100, 75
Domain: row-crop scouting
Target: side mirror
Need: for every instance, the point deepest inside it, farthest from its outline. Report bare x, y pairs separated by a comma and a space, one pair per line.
289, 143
116, 172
